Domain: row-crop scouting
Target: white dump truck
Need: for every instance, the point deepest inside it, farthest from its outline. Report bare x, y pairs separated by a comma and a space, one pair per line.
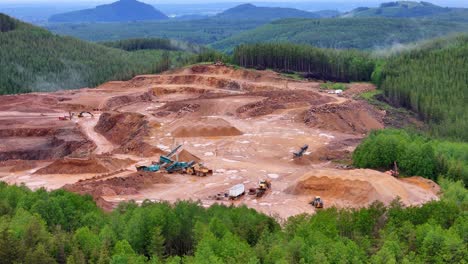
236, 191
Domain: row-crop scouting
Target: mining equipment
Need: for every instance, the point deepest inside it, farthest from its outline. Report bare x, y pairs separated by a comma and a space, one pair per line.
198, 169
394, 172
69, 117
301, 152
81, 114
317, 202
170, 166
262, 188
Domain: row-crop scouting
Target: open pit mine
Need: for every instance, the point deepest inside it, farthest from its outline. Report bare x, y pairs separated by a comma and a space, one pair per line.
207, 133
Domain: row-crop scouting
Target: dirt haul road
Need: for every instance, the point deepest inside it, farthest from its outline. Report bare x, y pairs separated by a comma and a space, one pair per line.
243, 124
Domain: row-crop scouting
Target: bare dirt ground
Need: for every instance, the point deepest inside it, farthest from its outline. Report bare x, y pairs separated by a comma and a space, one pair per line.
243, 124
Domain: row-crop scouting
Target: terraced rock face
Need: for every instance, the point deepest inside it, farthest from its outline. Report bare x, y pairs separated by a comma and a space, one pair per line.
242, 124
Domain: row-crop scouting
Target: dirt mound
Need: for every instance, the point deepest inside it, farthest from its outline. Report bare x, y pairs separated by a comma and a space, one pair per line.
127, 130
349, 191
349, 117
186, 156
280, 99
357, 188
82, 166
127, 185
423, 183
204, 127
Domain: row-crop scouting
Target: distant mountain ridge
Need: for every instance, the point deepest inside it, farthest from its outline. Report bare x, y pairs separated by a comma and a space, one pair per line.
403, 9
120, 11
250, 11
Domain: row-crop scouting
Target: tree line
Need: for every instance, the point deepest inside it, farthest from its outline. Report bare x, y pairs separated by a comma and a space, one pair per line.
431, 80
415, 155
326, 64
62, 227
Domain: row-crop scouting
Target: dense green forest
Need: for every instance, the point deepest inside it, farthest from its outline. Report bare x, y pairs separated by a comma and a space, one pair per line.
203, 31
344, 33
415, 155
34, 59
61, 227
154, 44
325, 64
431, 79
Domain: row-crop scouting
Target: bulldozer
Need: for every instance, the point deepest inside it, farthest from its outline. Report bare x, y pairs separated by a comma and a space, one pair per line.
198, 169
317, 202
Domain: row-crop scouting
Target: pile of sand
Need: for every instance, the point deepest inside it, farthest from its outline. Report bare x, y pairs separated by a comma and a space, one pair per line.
357, 188
349, 117
204, 127
83, 166
186, 156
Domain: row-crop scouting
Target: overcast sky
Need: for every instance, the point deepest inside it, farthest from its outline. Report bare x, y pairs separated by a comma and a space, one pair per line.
156, 2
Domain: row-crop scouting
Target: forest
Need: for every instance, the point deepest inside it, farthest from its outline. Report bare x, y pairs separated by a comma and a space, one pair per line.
62, 227
345, 33
431, 79
324, 64
34, 59
414, 153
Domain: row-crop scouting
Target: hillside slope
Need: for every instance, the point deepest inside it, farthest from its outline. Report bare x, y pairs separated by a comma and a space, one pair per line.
123, 10
358, 33
249, 11
34, 59
432, 80
406, 9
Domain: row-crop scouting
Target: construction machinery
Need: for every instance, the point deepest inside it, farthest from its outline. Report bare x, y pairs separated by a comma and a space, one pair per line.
170, 165
198, 169
394, 172
301, 152
317, 202
163, 161
262, 188
65, 117
81, 114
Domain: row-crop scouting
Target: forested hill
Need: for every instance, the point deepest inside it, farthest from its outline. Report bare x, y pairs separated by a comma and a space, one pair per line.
33, 59
358, 33
249, 11
432, 80
405, 9
123, 10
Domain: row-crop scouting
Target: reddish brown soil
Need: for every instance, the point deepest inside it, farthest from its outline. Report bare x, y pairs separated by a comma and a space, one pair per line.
88, 165
127, 130
204, 127
275, 100
350, 117
354, 191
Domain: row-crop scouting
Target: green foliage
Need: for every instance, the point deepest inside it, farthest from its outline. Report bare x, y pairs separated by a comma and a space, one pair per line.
344, 65
185, 232
153, 44
345, 33
203, 31
432, 80
34, 59
414, 154
333, 86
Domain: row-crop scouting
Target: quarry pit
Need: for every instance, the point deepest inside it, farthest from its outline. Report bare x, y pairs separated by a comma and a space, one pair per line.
242, 124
